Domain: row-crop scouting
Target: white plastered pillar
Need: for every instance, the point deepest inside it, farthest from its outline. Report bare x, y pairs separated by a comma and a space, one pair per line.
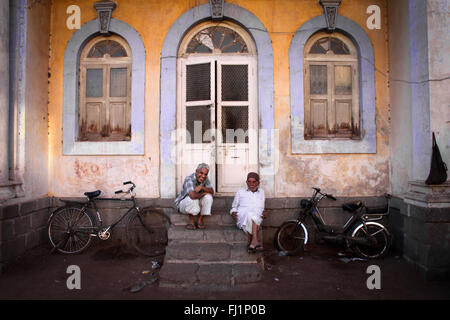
4, 91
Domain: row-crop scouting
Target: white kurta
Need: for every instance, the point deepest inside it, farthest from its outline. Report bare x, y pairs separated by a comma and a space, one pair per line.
249, 207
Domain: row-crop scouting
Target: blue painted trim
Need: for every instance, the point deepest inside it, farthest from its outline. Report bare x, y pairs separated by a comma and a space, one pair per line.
70, 93
168, 102
367, 144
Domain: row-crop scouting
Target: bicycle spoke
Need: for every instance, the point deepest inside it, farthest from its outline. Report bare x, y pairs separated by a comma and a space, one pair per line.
376, 232
70, 230
377, 241
290, 237
65, 239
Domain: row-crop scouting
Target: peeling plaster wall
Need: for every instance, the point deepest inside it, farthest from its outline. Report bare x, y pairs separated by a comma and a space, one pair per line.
342, 174
73, 175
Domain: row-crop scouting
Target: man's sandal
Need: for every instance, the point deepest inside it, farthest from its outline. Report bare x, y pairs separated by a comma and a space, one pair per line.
254, 249
259, 248
200, 225
191, 226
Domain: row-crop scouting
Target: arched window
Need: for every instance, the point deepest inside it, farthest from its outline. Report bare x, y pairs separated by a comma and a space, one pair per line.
331, 88
104, 109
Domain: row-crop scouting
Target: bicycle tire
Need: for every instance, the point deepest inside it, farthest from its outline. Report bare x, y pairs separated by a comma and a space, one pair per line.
70, 229
379, 240
141, 232
291, 237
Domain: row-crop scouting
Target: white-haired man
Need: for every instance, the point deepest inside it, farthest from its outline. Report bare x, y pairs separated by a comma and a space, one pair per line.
196, 197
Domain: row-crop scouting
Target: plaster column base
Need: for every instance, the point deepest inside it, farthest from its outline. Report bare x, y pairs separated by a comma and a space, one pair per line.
428, 196
10, 190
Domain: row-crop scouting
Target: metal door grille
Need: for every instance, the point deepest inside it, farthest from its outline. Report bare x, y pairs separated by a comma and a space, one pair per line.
234, 82
198, 121
198, 82
235, 124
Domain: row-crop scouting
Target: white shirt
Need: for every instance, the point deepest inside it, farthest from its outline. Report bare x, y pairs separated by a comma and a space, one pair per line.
249, 207
245, 200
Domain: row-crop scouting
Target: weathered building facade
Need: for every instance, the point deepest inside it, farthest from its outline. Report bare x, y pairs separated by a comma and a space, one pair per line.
342, 95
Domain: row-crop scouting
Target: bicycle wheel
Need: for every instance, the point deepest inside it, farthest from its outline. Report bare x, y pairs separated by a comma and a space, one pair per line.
146, 232
70, 228
377, 240
291, 237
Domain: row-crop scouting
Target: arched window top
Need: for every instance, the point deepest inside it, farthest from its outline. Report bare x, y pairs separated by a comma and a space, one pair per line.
106, 47
111, 47
217, 38
324, 45
329, 45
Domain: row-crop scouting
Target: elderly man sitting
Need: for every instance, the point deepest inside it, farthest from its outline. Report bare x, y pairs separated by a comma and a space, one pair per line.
248, 210
196, 197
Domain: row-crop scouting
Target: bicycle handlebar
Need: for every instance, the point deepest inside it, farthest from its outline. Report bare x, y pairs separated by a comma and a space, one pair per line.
324, 194
130, 189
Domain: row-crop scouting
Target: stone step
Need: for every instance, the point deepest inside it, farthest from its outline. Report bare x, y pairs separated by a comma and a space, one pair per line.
221, 218
200, 253
212, 234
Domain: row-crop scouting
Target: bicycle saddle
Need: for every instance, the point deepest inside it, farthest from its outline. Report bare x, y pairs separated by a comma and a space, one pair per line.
352, 206
93, 194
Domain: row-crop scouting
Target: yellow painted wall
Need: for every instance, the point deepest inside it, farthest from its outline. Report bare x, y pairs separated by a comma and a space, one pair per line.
340, 174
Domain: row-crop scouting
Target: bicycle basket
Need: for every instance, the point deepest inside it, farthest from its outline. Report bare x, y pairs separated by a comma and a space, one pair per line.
305, 204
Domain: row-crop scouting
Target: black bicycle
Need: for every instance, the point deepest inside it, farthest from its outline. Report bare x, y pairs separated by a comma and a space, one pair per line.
361, 233
72, 227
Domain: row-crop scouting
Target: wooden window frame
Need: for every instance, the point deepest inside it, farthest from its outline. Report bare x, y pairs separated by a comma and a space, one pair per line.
330, 60
106, 63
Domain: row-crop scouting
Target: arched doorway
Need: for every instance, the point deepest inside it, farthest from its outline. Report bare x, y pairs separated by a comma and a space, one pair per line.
217, 114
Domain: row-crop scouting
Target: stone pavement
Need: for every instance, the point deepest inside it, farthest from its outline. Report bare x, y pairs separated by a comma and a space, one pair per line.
110, 272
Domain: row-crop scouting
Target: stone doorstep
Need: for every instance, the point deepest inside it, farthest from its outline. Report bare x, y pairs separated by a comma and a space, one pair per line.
217, 218
212, 234
209, 252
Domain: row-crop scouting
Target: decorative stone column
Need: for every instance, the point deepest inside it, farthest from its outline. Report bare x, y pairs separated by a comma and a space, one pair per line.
4, 98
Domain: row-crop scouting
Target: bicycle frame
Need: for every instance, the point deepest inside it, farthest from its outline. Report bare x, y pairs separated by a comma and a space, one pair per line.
111, 226
92, 203
360, 232
363, 215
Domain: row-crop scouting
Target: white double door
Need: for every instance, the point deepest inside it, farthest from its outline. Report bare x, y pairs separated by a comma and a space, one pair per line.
217, 119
